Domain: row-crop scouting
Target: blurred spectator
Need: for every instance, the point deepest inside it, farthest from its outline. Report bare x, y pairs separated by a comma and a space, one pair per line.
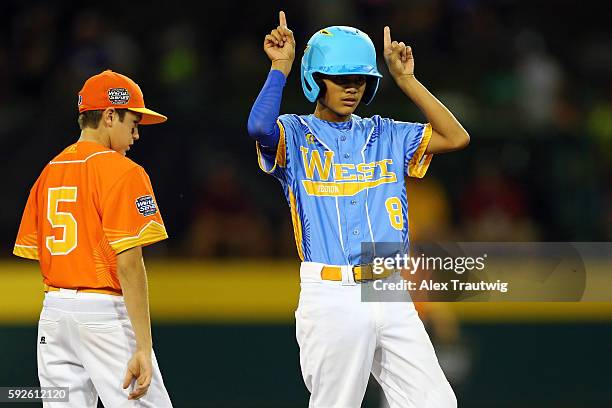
540, 79
428, 210
335, 13
180, 67
35, 39
87, 53
242, 78
225, 221
495, 207
599, 123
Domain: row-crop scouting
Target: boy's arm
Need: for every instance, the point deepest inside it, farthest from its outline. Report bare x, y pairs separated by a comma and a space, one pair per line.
279, 46
447, 133
262, 125
133, 278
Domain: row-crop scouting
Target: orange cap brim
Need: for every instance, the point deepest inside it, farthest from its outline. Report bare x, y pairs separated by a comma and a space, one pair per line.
149, 117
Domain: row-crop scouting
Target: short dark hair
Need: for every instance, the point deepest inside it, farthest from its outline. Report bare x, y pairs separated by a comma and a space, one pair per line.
91, 118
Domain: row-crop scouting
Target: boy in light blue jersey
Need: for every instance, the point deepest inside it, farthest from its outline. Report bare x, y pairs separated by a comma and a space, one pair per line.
343, 177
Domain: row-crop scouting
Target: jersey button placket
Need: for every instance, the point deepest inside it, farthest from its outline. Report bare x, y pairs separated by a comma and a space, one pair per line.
352, 211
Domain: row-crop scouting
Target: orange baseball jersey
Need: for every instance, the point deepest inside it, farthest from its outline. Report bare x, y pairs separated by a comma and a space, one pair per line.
89, 204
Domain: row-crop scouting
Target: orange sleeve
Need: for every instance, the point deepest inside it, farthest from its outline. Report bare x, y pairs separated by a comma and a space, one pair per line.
130, 216
26, 244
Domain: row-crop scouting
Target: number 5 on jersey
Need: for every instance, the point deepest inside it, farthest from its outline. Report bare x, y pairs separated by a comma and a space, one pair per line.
61, 219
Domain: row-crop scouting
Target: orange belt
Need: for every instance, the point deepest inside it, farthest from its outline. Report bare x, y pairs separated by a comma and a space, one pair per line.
360, 273
114, 292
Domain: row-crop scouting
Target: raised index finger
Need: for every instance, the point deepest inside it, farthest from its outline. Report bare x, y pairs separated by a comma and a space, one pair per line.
387, 41
282, 19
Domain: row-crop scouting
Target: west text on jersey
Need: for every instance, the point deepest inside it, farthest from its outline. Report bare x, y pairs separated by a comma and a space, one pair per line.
347, 179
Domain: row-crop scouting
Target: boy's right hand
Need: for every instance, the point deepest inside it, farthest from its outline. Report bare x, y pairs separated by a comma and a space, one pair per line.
279, 45
140, 369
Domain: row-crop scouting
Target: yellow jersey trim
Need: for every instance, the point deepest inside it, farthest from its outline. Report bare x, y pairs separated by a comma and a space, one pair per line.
419, 163
26, 251
297, 224
281, 151
150, 233
343, 189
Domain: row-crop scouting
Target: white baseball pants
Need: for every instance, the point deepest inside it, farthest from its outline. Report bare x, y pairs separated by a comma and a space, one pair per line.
343, 339
84, 342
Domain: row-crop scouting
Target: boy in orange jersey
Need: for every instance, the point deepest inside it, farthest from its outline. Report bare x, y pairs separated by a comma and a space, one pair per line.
86, 219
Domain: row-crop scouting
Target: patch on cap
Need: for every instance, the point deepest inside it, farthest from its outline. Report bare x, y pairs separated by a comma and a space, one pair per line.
80, 101
146, 205
118, 96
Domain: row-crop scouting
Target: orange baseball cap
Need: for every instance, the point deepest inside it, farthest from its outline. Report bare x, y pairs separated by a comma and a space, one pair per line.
112, 90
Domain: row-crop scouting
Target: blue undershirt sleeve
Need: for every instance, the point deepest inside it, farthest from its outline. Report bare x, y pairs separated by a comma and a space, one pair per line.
262, 124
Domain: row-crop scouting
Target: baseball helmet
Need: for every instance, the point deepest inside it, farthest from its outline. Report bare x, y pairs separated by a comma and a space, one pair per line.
339, 50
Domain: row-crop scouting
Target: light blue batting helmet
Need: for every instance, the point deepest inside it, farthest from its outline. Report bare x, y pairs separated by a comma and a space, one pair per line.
339, 50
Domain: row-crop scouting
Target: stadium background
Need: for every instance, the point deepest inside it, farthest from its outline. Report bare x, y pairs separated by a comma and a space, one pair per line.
529, 80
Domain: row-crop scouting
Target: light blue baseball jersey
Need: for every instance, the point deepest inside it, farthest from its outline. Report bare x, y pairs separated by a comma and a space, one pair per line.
344, 182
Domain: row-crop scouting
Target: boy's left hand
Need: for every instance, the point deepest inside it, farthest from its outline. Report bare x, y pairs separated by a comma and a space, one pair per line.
398, 57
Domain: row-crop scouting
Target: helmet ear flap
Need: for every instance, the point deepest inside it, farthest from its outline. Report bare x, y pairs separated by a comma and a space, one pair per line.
310, 86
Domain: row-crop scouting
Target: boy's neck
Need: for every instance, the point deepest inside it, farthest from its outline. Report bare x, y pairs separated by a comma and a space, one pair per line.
94, 135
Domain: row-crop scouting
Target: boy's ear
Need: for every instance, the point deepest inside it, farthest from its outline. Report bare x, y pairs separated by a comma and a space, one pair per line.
108, 115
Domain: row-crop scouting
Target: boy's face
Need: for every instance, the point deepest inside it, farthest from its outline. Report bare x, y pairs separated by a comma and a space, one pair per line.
124, 134
343, 93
